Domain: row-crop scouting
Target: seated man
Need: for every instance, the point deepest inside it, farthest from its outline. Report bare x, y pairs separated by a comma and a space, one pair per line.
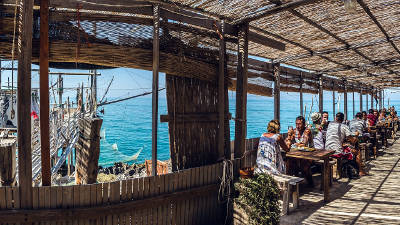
325, 120
300, 137
335, 137
357, 125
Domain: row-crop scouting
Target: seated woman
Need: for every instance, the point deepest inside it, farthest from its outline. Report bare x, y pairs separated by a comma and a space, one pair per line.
317, 131
382, 116
269, 158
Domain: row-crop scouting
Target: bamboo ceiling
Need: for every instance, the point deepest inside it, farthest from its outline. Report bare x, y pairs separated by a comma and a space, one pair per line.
318, 36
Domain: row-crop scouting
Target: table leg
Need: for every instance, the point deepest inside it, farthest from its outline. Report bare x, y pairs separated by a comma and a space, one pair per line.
326, 179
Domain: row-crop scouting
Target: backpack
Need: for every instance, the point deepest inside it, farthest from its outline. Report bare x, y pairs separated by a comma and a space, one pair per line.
350, 169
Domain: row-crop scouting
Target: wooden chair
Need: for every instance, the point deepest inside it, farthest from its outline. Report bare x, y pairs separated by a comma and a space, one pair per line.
286, 182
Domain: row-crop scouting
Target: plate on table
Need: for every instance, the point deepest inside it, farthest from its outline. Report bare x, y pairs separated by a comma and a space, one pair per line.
305, 149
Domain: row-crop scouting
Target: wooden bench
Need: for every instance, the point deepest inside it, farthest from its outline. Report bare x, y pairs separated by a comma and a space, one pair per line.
285, 182
331, 164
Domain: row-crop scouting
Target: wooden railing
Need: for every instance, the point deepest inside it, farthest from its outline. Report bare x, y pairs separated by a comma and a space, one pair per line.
185, 197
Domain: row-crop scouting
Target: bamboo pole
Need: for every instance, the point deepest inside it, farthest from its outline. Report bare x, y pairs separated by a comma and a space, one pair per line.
277, 91
24, 103
221, 93
372, 98
361, 100
345, 101
44, 93
321, 94
0, 73
156, 62
241, 91
301, 94
354, 104
333, 100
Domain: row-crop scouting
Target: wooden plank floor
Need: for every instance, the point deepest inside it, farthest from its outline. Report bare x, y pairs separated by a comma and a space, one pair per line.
373, 199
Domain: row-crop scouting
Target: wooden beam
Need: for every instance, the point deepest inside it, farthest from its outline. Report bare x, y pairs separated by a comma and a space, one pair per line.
44, 93
24, 103
273, 10
241, 91
321, 95
221, 93
373, 18
337, 49
277, 92
209, 24
298, 45
156, 65
326, 31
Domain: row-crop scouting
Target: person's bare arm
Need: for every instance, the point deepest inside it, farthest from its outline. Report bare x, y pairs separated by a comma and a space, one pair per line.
285, 145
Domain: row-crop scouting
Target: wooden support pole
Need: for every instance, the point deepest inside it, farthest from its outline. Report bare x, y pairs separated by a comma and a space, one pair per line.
241, 91
156, 65
88, 150
361, 100
277, 92
366, 100
24, 103
372, 98
345, 102
0, 73
354, 104
383, 98
44, 93
7, 162
301, 94
94, 97
321, 94
221, 94
333, 100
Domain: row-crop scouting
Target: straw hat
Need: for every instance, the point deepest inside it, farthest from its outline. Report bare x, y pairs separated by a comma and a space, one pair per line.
315, 116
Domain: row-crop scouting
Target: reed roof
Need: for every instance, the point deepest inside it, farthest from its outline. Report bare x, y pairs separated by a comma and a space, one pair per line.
319, 36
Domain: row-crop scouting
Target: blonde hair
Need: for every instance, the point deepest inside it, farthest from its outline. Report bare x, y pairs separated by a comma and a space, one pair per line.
273, 126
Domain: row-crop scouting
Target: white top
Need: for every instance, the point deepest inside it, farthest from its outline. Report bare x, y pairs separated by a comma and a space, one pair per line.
335, 136
357, 125
269, 158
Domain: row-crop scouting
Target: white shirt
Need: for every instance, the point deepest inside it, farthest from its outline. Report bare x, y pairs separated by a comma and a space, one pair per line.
335, 136
357, 125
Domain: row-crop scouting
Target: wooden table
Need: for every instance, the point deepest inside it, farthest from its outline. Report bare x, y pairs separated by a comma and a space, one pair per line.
316, 155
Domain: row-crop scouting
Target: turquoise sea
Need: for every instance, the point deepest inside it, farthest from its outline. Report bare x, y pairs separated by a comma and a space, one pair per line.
126, 130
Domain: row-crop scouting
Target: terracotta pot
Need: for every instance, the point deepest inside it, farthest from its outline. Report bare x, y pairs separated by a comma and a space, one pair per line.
246, 172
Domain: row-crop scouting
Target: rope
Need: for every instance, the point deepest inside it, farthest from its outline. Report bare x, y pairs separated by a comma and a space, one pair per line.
224, 192
12, 60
